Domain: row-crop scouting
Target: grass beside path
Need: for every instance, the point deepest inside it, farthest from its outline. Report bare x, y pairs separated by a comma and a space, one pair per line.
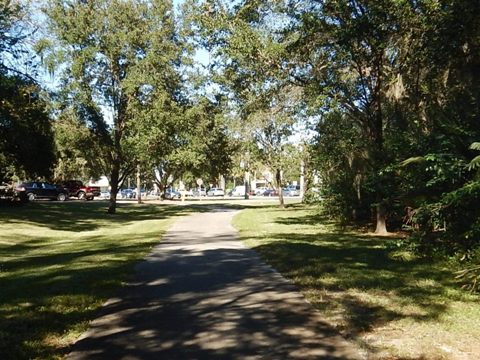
395, 305
60, 261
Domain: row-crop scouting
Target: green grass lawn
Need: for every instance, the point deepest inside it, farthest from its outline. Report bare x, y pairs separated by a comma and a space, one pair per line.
60, 261
395, 305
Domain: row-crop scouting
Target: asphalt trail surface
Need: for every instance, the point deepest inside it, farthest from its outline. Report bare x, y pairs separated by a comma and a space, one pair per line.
202, 295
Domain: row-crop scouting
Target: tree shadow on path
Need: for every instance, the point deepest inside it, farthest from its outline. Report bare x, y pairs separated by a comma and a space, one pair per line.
203, 301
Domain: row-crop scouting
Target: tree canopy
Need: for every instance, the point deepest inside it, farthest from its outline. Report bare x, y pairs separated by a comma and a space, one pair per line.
120, 59
26, 137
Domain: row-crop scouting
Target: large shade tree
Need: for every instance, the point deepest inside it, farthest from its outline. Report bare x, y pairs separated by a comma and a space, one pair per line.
347, 54
26, 139
248, 57
394, 83
117, 59
26, 136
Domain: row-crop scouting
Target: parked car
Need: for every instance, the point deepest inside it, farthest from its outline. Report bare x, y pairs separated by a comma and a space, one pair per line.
154, 193
105, 195
291, 190
259, 191
12, 194
44, 190
143, 193
172, 194
270, 192
238, 191
127, 193
77, 189
215, 192
200, 192
187, 193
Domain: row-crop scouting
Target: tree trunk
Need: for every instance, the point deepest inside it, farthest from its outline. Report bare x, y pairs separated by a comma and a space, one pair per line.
302, 179
221, 181
139, 185
278, 180
378, 143
112, 206
116, 156
381, 219
247, 184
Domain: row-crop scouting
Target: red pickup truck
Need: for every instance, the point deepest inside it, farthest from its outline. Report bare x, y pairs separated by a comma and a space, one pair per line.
76, 189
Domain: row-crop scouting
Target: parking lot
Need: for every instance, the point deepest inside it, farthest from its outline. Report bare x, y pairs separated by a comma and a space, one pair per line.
257, 200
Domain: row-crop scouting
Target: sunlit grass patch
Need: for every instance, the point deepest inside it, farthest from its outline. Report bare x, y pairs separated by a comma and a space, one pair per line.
59, 262
395, 304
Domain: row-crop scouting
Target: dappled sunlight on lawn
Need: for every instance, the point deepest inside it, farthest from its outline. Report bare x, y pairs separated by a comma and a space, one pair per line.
357, 284
60, 261
74, 216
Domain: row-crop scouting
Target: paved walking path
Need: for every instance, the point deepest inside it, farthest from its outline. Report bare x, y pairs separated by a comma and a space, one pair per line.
202, 295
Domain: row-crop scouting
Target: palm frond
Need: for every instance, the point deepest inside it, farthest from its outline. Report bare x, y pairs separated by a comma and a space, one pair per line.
413, 160
475, 146
475, 163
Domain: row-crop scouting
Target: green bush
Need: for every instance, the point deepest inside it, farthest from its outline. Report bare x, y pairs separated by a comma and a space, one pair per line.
452, 223
451, 227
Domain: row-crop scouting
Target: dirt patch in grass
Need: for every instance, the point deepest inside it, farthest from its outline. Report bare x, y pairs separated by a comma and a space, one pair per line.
397, 306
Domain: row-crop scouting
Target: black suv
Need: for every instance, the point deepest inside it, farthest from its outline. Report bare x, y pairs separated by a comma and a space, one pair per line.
43, 190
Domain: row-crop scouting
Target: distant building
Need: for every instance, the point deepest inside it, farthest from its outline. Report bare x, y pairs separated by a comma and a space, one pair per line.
103, 183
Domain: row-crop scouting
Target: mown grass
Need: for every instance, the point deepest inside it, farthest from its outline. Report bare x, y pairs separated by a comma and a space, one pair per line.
60, 261
396, 305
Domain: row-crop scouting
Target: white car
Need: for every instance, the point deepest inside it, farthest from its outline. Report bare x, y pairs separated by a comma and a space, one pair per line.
238, 190
291, 190
105, 195
197, 193
186, 193
260, 190
172, 194
215, 192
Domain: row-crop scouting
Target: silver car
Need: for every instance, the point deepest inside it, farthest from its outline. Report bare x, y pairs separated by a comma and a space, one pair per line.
215, 192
